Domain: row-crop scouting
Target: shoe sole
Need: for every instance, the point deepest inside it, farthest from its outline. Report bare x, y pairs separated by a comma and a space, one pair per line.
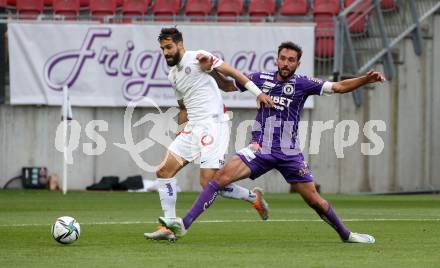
171, 239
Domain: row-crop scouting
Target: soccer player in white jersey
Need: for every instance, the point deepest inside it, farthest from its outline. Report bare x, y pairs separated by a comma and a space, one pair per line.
203, 124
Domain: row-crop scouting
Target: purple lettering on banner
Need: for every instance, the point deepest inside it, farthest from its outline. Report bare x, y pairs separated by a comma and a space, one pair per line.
81, 55
135, 88
268, 62
125, 70
106, 57
145, 61
244, 61
143, 71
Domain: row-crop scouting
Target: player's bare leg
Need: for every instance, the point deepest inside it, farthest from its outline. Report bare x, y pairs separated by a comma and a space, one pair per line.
326, 212
233, 171
168, 193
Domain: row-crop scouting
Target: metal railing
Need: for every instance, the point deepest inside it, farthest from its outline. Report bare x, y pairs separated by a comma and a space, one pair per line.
365, 34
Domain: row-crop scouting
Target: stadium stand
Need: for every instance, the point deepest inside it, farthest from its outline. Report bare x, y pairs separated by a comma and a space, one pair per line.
135, 8
102, 8
166, 10
325, 39
198, 9
260, 9
388, 4
357, 19
326, 8
229, 10
68, 8
294, 8
29, 9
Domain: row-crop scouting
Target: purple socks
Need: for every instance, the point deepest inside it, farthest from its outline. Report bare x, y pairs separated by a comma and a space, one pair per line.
332, 219
206, 198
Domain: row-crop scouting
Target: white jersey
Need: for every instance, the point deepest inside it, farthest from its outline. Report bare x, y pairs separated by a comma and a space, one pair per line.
198, 90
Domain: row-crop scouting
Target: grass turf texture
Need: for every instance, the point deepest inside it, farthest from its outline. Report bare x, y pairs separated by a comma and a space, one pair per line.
407, 231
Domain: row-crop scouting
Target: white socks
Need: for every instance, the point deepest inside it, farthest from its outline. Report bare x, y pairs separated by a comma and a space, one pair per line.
235, 191
167, 189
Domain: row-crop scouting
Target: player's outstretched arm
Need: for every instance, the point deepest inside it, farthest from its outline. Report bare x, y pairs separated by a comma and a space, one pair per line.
349, 85
225, 84
262, 99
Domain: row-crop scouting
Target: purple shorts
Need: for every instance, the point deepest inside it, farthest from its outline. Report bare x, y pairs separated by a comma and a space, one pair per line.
293, 168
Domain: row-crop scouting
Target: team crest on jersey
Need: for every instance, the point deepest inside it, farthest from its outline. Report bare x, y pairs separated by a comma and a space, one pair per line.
288, 89
188, 70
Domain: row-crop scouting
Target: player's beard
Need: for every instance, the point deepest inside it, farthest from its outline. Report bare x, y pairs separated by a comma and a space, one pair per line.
289, 74
175, 59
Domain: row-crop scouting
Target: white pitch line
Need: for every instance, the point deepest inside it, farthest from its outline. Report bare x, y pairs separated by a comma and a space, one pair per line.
226, 221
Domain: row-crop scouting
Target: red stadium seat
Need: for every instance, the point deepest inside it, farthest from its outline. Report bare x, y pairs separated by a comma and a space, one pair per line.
324, 39
119, 3
259, 9
330, 7
227, 10
84, 3
47, 2
164, 10
12, 2
357, 19
388, 4
3, 3
102, 8
198, 8
29, 9
294, 8
66, 7
135, 8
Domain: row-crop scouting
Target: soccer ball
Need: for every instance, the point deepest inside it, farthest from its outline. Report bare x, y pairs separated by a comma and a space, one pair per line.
65, 230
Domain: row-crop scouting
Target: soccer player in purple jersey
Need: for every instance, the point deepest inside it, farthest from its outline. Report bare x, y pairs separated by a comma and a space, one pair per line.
274, 143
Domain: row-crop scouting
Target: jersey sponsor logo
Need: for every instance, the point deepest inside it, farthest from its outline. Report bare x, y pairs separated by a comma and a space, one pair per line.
268, 84
288, 89
303, 171
315, 80
188, 70
281, 102
266, 77
207, 140
271, 74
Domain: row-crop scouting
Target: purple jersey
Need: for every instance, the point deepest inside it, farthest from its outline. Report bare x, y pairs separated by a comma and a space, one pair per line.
275, 129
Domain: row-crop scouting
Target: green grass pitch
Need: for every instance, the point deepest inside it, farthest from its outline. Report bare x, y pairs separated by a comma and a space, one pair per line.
230, 234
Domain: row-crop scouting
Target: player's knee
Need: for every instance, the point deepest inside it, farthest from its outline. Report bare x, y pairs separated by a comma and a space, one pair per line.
203, 183
222, 178
163, 173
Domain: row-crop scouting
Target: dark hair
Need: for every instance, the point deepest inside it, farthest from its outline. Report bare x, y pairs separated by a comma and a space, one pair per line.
170, 33
292, 46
